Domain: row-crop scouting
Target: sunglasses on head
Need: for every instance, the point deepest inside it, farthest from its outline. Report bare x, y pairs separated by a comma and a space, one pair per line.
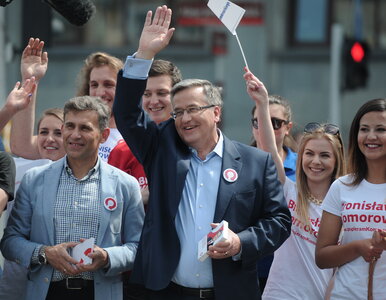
276, 123
328, 128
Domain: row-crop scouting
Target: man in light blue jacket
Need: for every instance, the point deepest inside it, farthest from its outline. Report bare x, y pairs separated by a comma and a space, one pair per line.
76, 198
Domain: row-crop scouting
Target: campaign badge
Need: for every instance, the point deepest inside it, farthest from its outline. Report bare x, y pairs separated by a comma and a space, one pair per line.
110, 204
230, 175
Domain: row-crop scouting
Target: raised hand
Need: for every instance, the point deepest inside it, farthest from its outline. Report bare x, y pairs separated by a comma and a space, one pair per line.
255, 88
34, 61
156, 33
20, 96
266, 138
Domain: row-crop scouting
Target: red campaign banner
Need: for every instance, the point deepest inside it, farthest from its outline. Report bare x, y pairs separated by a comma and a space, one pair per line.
199, 14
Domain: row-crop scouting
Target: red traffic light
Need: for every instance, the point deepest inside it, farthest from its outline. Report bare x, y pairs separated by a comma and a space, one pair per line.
355, 62
357, 52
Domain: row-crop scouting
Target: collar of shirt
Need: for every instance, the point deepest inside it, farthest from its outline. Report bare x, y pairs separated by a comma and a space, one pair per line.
218, 149
89, 174
195, 213
290, 160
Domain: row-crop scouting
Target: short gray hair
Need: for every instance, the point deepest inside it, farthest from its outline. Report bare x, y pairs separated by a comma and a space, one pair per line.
88, 103
211, 92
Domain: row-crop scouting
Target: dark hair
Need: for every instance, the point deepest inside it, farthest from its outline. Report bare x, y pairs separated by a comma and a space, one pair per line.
277, 99
161, 67
288, 141
357, 162
88, 103
95, 60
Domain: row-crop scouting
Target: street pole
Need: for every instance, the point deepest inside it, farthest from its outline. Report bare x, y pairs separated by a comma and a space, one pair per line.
335, 74
2, 58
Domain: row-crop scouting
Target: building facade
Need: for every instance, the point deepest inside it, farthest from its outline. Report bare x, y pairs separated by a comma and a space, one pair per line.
286, 43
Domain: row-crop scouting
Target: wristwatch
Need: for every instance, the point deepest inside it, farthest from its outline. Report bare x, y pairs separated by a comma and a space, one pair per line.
42, 255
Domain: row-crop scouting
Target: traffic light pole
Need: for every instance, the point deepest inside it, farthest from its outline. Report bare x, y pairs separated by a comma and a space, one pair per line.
2, 58
335, 74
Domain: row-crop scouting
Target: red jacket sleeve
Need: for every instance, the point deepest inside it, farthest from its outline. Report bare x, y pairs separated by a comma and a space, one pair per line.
122, 158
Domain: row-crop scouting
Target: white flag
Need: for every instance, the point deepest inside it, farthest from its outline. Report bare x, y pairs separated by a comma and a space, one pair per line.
229, 13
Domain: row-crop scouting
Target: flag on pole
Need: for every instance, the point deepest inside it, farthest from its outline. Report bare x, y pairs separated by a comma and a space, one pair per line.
229, 13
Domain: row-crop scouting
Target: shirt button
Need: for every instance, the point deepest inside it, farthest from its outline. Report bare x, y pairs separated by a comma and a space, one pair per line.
200, 206
201, 184
46, 279
199, 227
197, 275
76, 202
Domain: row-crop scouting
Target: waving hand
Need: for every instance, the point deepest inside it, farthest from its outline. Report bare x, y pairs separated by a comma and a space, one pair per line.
156, 33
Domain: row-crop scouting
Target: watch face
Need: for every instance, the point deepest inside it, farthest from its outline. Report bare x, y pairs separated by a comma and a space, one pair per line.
42, 259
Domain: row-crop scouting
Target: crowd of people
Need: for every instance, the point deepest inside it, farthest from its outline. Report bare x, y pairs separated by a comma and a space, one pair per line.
136, 165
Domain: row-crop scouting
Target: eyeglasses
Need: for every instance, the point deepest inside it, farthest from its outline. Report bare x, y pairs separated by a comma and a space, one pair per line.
192, 110
276, 123
328, 128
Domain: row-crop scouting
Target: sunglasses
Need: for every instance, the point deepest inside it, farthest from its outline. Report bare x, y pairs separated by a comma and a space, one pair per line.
328, 128
276, 123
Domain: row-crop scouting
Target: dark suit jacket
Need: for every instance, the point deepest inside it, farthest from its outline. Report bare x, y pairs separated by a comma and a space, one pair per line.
253, 205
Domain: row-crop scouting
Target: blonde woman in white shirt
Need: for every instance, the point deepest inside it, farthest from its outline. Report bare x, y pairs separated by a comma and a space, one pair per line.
294, 274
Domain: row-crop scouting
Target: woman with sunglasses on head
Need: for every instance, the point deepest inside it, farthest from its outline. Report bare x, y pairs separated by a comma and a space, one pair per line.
294, 274
356, 204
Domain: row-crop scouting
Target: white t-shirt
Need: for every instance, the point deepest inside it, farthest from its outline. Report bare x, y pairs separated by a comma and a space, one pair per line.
114, 138
23, 165
362, 209
294, 274
14, 279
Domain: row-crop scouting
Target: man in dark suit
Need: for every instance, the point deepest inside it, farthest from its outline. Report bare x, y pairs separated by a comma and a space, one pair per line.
196, 177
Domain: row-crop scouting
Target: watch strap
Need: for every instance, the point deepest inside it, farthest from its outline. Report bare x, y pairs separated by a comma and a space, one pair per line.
42, 255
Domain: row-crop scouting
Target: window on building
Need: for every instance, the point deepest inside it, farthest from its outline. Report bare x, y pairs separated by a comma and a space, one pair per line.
310, 21
118, 23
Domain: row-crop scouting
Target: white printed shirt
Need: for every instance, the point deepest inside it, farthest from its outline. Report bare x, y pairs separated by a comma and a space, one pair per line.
362, 209
294, 274
105, 148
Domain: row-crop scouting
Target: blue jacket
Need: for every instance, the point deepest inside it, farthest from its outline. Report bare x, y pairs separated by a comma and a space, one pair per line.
253, 205
31, 224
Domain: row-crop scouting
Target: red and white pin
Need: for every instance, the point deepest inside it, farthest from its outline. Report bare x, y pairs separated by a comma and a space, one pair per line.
230, 175
110, 204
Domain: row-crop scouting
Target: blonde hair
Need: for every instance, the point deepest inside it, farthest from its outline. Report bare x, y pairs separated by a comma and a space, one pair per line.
55, 112
301, 177
95, 60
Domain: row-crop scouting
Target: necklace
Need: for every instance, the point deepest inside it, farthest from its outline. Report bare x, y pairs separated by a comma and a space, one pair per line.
314, 200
